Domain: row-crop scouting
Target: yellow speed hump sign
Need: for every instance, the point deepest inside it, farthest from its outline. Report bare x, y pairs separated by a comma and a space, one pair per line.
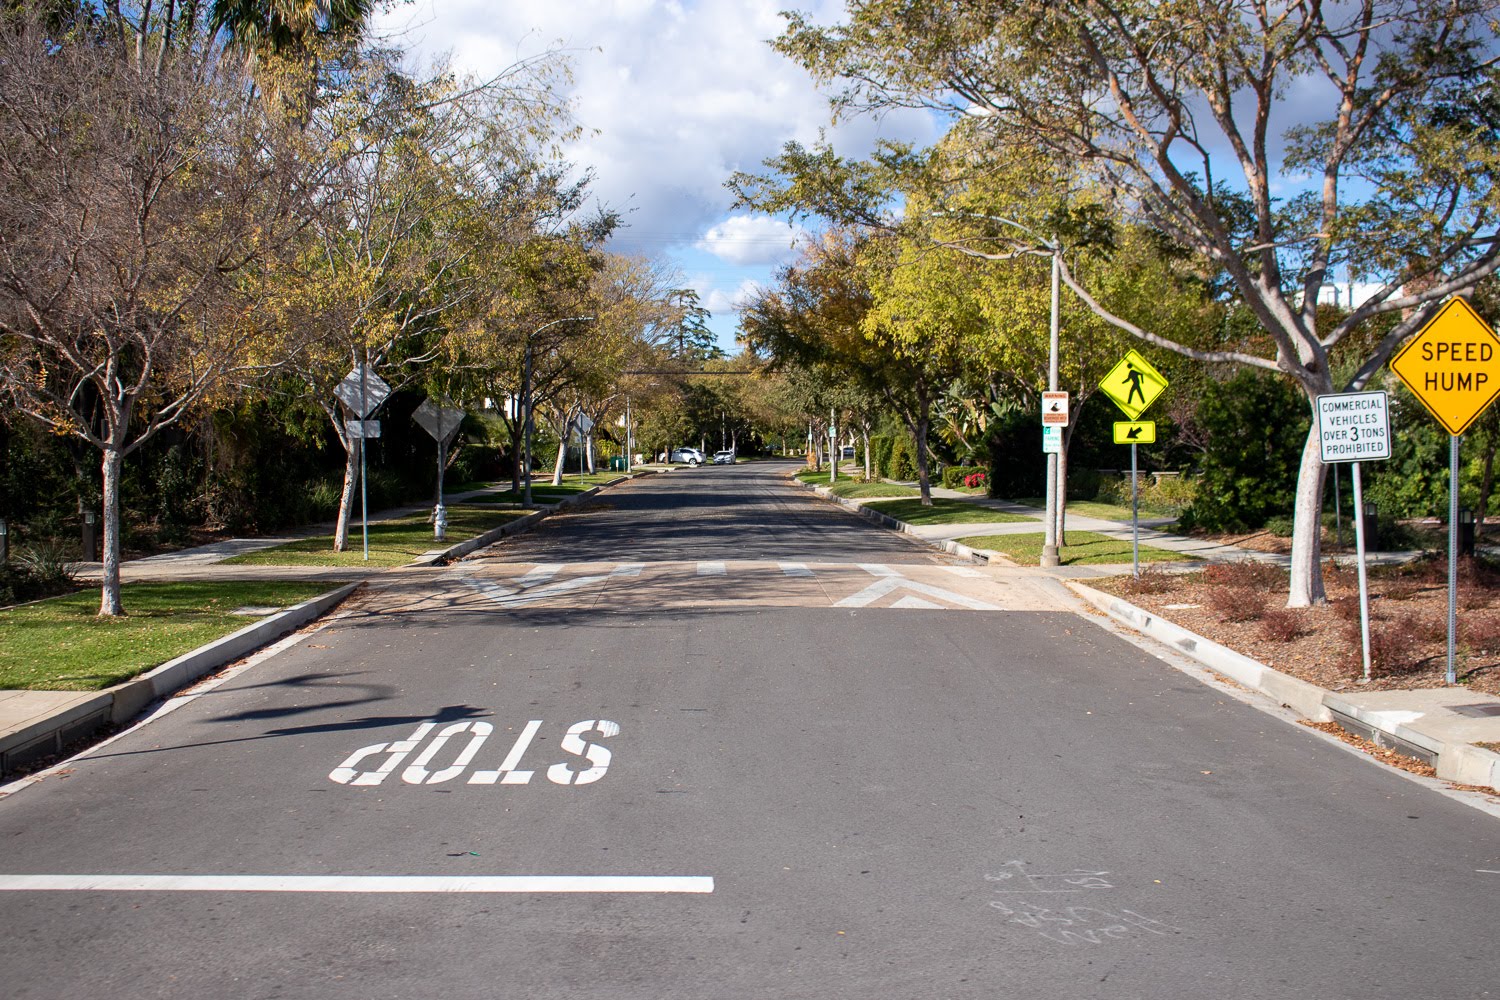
1134, 384
1452, 365
1135, 432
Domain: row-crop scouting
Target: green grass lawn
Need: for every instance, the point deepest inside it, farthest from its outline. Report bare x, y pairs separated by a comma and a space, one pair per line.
392, 543
1083, 548
60, 644
1093, 508
850, 489
947, 511
571, 484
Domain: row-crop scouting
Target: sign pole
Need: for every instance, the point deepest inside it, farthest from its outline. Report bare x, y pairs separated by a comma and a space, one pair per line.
1135, 517
364, 497
1364, 587
1452, 552
1338, 511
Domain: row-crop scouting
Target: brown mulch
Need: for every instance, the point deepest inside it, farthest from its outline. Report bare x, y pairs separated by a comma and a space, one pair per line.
1243, 606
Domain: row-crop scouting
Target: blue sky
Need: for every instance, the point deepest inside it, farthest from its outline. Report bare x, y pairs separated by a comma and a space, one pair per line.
675, 97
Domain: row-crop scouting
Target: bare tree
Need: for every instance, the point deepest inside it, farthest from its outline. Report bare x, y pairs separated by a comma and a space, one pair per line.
139, 213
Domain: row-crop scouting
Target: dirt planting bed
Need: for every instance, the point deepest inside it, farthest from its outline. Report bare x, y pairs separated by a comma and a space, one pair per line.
1242, 605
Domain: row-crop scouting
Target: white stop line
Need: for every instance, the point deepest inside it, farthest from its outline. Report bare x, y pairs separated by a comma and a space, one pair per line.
359, 883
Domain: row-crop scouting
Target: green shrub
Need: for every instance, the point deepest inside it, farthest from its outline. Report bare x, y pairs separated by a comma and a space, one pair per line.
902, 463
1280, 525
1173, 493
954, 475
1113, 489
1256, 425
38, 570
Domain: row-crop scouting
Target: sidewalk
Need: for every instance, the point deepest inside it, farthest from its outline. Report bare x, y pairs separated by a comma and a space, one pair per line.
1439, 726
193, 563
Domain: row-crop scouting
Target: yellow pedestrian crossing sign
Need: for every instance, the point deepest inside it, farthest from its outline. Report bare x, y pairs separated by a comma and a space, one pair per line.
1135, 432
1133, 384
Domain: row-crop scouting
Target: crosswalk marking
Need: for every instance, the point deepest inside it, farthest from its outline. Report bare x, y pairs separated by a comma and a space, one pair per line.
839, 585
915, 602
540, 574
886, 585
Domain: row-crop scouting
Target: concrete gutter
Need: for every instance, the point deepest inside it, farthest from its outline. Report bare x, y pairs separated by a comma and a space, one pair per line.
439, 557
61, 717
886, 521
1438, 726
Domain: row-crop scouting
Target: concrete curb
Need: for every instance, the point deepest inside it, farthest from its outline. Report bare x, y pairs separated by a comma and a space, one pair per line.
886, 521
1459, 762
122, 702
1307, 700
440, 557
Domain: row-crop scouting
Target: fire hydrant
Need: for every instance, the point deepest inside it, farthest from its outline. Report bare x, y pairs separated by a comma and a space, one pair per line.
440, 522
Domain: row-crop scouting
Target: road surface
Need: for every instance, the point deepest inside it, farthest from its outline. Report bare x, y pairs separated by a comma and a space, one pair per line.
716, 739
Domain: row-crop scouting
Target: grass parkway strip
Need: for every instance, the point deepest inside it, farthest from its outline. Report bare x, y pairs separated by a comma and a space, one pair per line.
62, 645
1082, 548
392, 543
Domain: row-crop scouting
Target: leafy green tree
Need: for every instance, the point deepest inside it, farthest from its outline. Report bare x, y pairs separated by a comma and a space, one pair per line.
1143, 96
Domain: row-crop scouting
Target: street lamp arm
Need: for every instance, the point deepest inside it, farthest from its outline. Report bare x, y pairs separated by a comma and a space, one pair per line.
1050, 246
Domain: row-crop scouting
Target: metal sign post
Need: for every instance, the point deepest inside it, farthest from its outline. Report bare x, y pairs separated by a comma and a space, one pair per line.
362, 392
1135, 516
441, 421
1054, 419
1133, 384
1453, 366
1452, 553
1355, 427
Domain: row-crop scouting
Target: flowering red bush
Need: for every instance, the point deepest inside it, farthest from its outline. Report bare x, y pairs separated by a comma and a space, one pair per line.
974, 480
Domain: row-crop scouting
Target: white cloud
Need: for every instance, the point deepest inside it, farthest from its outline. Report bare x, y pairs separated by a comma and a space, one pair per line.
720, 302
749, 240
681, 95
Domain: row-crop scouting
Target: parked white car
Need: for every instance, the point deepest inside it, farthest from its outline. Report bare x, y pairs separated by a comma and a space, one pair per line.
691, 456
724, 457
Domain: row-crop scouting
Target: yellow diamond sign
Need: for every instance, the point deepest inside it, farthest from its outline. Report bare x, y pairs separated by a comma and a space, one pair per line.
1452, 366
1133, 384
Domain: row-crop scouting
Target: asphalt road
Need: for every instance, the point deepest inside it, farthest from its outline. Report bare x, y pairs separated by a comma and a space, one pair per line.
721, 741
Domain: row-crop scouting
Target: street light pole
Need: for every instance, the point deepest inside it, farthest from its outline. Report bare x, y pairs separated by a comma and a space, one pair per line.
527, 402
1049, 539
1054, 501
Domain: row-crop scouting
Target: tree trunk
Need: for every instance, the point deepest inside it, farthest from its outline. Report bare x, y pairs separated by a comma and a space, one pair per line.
1487, 480
562, 458
346, 498
923, 424
109, 593
516, 431
1306, 584
865, 433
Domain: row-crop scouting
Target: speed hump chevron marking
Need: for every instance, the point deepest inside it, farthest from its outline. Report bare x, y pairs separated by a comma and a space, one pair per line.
1135, 432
